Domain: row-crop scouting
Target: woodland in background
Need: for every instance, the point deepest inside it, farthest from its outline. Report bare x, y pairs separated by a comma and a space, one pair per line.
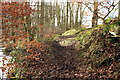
29, 32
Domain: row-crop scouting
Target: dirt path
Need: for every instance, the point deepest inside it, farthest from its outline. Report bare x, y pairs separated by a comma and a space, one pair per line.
66, 59
65, 62
60, 63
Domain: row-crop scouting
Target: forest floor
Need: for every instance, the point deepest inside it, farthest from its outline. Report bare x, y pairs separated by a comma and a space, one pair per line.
65, 62
62, 62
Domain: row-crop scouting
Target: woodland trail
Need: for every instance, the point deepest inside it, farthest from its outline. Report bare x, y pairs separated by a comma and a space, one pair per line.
66, 59
62, 62
65, 62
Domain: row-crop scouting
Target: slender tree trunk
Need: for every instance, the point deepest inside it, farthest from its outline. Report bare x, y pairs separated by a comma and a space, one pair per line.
67, 13
38, 19
81, 15
58, 14
119, 9
53, 14
71, 16
95, 14
42, 18
63, 18
119, 17
76, 17
29, 25
51, 10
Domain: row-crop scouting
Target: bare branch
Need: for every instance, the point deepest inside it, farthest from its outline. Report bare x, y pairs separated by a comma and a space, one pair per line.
87, 5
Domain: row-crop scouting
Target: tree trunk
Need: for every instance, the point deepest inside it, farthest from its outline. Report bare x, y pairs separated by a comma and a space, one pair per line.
119, 10
76, 16
67, 15
71, 16
95, 14
81, 16
42, 19
119, 17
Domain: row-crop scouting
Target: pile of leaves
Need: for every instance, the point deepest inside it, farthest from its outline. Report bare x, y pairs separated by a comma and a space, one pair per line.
28, 58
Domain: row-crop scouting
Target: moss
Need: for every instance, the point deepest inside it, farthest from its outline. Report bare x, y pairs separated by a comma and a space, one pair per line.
13, 53
70, 32
55, 37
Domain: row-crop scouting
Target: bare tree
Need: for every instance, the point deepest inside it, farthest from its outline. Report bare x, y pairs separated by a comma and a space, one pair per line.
109, 6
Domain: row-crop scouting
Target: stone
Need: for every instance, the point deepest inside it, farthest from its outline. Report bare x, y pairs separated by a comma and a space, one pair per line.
70, 32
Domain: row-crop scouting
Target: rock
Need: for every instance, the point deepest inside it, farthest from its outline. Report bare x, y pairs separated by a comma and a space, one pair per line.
68, 38
70, 32
68, 42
